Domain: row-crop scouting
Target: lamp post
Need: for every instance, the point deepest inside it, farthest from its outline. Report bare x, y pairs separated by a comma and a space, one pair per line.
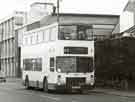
58, 16
58, 6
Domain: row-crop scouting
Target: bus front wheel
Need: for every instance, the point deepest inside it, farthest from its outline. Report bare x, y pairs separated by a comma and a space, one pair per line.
45, 85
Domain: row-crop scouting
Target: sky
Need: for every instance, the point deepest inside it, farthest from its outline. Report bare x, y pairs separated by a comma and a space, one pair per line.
7, 7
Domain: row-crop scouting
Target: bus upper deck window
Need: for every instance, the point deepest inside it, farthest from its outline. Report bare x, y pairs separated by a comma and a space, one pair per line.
75, 32
81, 35
68, 32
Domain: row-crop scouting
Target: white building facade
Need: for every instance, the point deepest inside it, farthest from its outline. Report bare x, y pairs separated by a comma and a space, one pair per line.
127, 18
8, 43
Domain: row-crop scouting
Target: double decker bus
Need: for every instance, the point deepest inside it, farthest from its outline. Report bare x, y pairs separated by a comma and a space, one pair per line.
61, 60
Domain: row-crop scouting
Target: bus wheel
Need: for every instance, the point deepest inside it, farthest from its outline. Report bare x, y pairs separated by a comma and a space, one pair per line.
45, 85
83, 91
27, 82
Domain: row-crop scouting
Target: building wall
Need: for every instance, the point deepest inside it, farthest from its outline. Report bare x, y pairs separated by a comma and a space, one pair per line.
128, 16
8, 45
126, 20
103, 25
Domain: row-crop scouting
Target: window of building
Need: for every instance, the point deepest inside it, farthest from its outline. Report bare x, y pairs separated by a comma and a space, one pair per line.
37, 39
9, 27
26, 41
6, 29
13, 20
44, 35
31, 39
50, 32
46, 32
40, 36
18, 21
53, 32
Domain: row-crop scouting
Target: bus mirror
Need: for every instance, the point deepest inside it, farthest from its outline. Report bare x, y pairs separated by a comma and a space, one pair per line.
59, 70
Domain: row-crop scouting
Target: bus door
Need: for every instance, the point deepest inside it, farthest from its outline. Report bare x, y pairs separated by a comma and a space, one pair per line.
52, 71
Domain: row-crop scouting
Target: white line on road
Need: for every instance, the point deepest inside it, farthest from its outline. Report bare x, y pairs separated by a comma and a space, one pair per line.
74, 101
53, 98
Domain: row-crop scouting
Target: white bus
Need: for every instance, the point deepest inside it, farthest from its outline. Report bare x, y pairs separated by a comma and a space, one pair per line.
58, 61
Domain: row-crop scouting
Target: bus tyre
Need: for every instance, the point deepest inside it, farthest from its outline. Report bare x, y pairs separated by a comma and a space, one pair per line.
83, 91
45, 85
27, 82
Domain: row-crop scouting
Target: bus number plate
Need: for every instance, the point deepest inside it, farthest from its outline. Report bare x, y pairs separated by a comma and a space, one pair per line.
76, 87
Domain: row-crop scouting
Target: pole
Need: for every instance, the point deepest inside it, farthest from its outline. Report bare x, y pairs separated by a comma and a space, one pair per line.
58, 11
93, 49
58, 20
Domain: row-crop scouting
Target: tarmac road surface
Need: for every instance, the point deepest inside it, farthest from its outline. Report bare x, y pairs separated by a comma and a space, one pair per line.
15, 92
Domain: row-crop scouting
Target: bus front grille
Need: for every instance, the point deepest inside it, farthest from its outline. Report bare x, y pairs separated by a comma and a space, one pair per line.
74, 82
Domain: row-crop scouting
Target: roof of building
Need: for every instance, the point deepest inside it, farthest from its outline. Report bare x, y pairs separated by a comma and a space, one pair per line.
130, 6
41, 3
90, 18
15, 13
85, 15
130, 30
75, 18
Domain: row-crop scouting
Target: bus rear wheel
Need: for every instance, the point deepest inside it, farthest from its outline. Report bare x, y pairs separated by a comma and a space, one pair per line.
45, 85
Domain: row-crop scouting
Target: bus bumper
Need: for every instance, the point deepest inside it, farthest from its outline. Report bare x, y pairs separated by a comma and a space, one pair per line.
65, 87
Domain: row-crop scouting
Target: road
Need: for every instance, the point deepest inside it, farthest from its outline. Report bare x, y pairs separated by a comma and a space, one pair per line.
15, 92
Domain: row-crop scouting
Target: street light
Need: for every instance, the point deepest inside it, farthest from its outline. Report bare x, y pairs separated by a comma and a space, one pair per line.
58, 16
58, 6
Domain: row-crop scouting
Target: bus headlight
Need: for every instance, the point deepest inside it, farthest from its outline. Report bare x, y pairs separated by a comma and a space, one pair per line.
59, 70
92, 80
59, 83
59, 80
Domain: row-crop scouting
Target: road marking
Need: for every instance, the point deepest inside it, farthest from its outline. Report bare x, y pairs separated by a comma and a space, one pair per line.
33, 94
6, 88
74, 101
53, 98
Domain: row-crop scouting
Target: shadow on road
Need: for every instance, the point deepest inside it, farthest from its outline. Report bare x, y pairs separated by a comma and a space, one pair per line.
59, 92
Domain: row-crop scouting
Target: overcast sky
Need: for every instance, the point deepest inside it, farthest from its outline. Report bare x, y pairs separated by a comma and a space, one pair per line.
80, 6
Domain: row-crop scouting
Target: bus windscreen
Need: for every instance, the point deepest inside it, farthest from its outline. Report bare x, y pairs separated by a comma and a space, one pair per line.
70, 64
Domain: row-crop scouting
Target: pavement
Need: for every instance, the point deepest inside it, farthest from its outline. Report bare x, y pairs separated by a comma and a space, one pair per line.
123, 93
13, 80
